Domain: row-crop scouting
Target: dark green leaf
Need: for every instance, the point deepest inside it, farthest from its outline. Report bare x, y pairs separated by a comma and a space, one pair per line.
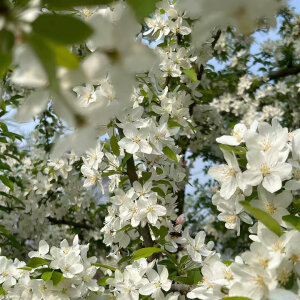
195, 275
293, 220
6, 45
4, 166
12, 197
159, 191
62, 29
35, 262
114, 145
10, 237
263, 217
6, 181
184, 280
125, 159
170, 153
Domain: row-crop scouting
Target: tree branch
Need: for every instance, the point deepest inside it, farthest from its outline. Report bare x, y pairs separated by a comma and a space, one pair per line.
132, 175
70, 223
181, 288
284, 72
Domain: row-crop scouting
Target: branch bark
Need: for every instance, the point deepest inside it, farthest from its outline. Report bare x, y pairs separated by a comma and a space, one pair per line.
70, 223
284, 72
132, 175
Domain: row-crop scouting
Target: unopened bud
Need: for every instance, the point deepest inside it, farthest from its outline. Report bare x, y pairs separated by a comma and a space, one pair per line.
180, 219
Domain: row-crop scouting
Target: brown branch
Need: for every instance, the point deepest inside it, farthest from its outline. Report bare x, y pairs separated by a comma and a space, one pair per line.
213, 44
284, 72
70, 223
181, 288
132, 175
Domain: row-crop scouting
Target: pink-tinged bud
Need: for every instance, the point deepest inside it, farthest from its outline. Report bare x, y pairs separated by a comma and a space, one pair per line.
180, 219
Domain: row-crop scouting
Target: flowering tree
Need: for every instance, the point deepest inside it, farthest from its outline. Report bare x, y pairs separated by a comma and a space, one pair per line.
124, 102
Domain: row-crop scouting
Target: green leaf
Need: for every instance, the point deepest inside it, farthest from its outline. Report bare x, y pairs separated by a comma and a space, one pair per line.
159, 191
35, 262
114, 145
170, 153
125, 159
142, 8
57, 277
10, 237
104, 266
184, 280
145, 177
195, 275
62, 29
236, 298
12, 197
46, 276
191, 74
102, 281
63, 57
236, 149
69, 4
227, 262
1, 289
184, 259
6, 181
263, 217
6, 44
124, 259
293, 220
146, 252
172, 124
126, 227
4, 166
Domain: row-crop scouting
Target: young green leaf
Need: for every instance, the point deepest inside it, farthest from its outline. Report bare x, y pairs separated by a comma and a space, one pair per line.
46, 276
146, 252
191, 74
36, 262
170, 153
57, 277
293, 220
104, 266
102, 281
263, 217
